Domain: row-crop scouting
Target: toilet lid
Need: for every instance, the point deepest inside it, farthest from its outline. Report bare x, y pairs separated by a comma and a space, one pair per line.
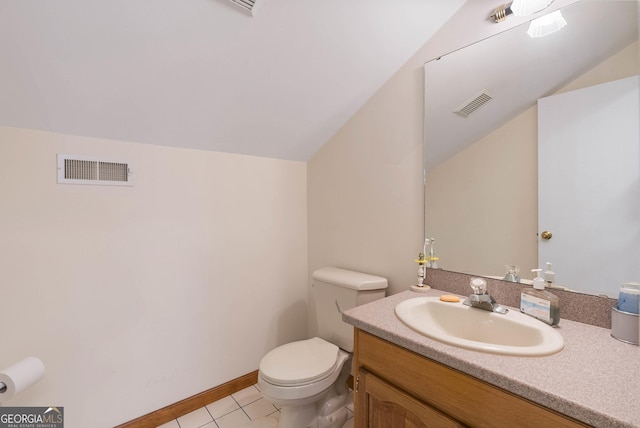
299, 363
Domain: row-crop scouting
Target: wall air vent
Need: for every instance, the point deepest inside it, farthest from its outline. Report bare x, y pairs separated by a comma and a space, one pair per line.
474, 103
85, 170
248, 6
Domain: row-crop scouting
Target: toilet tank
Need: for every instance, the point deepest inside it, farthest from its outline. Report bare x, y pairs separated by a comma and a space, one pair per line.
336, 290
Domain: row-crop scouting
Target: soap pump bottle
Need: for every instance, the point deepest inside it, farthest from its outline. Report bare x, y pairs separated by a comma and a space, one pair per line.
549, 275
539, 303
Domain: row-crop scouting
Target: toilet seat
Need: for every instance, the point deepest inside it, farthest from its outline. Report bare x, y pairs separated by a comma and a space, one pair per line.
300, 363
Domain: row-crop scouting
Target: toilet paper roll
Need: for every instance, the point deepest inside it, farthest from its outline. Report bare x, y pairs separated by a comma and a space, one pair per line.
20, 376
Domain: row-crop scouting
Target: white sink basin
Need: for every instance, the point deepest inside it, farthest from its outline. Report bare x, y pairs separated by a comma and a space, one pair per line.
513, 333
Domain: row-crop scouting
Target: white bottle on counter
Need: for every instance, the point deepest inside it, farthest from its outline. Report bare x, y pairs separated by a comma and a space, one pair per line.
549, 275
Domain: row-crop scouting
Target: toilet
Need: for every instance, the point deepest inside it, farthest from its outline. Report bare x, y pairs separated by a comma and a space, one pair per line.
307, 379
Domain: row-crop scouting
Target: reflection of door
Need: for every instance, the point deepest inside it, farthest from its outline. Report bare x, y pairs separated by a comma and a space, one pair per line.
589, 185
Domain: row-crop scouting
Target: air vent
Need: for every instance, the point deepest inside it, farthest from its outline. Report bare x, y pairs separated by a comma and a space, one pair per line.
248, 6
474, 103
84, 170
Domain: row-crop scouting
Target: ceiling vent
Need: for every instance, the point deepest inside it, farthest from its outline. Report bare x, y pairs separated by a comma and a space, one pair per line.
248, 6
474, 103
85, 170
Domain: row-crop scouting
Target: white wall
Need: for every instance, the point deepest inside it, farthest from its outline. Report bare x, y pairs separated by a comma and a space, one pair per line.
137, 297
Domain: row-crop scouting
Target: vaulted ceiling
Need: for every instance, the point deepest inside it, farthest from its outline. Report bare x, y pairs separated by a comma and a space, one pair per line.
203, 73
516, 70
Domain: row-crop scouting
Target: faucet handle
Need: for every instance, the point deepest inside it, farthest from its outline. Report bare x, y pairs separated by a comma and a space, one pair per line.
478, 285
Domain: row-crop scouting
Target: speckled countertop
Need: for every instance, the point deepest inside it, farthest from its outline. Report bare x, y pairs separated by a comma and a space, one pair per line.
594, 379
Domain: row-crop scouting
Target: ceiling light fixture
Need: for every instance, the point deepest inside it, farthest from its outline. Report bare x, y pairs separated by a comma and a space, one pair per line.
547, 24
519, 8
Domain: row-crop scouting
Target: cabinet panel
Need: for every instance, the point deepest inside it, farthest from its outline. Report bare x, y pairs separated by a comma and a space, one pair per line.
388, 406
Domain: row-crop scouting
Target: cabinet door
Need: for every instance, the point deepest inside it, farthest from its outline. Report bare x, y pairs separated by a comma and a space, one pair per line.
387, 406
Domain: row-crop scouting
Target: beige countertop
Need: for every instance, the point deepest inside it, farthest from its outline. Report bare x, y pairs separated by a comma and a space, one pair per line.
594, 379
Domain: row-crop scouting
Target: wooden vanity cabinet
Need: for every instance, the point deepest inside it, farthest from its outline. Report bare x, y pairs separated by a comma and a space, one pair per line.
397, 388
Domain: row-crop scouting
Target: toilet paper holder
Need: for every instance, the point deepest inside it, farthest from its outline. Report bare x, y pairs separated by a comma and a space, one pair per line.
20, 376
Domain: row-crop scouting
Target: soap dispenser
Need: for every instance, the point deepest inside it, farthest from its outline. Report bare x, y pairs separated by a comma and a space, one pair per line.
539, 303
549, 275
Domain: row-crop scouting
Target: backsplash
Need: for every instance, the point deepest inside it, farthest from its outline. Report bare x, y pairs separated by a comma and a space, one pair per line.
584, 308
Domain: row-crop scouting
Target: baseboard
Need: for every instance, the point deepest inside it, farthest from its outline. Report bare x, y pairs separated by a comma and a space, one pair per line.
174, 411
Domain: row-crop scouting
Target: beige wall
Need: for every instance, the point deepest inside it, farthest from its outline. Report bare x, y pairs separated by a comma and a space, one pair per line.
136, 297
365, 191
483, 202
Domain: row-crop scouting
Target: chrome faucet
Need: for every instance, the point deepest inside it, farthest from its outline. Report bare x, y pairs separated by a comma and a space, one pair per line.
481, 299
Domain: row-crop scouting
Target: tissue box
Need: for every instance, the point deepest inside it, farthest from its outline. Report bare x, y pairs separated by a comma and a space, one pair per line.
625, 326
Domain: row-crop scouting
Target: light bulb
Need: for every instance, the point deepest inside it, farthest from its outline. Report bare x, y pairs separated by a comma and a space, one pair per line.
546, 25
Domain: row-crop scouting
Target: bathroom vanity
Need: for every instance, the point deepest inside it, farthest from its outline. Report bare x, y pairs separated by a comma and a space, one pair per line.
404, 379
399, 388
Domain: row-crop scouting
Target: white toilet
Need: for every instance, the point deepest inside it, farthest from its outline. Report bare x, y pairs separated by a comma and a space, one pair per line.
307, 379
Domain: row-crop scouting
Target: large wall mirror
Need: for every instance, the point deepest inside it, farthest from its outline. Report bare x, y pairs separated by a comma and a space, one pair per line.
490, 113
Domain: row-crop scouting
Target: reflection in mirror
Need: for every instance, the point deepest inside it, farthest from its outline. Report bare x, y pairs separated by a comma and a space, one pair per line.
481, 187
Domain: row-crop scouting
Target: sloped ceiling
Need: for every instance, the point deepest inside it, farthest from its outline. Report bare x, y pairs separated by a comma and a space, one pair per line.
517, 70
202, 73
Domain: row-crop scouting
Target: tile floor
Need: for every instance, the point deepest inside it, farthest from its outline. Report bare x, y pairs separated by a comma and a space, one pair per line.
232, 411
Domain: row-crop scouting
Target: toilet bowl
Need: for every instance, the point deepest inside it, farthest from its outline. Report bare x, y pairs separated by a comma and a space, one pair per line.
301, 370
307, 379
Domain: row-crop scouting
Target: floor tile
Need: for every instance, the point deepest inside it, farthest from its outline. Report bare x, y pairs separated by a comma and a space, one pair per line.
222, 407
170, 424
195, 419
247, 395
238, 410
268, 422
259, 408
233, 419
